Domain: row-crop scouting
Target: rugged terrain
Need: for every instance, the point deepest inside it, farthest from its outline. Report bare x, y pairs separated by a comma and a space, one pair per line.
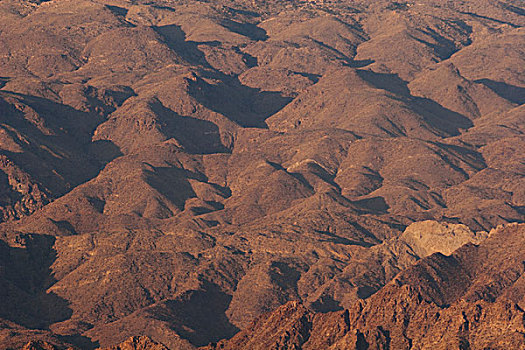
262, 174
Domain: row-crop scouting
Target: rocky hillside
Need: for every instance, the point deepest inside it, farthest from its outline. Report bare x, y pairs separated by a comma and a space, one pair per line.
177, 174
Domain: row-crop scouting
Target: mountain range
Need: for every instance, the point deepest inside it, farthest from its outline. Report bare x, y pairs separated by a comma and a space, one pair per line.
263, 174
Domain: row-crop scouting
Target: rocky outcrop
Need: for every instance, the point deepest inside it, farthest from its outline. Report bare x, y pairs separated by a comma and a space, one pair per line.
138, 343
470, 299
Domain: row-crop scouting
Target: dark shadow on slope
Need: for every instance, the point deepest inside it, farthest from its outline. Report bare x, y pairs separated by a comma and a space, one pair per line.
489, 19
285, 275
248, 59
521, 210
246, 29
509, 92
338, 54
212, 206
361, 343
243, 12
104, 151
3, 81
198, 315
385, 81
377, 205
118, 11
364, 292
517, 10
175, 38
369, 236
57, 150
173, 184
326, 303
57, 175
443, 119
60, 118
334, 238
195, 135
246, 106
443, 47
166, 8
397, 6
298, 176
469, 156
25, 276
314, 78
359, 63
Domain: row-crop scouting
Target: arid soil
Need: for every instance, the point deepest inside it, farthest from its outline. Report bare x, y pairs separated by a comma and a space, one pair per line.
249, 174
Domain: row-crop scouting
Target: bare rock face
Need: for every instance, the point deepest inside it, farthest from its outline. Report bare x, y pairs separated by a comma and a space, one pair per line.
133, 343
22, 195
32, 345
138, 343
261, 174
429, 237
441, 302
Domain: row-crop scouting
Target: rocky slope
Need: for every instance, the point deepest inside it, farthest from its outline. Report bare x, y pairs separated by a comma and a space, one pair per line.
174, 170
470, 299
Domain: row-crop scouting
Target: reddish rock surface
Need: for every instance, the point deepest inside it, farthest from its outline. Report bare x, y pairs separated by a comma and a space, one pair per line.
183, 170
